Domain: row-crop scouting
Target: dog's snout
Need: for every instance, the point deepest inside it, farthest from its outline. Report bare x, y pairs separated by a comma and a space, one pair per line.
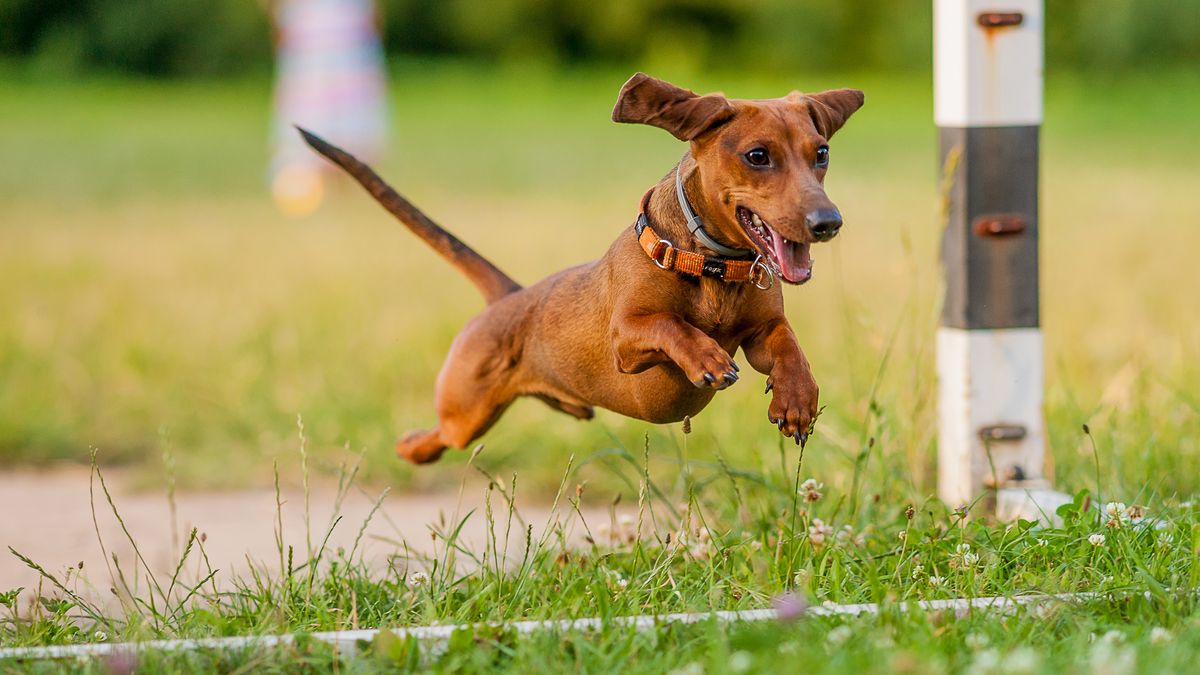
824, 223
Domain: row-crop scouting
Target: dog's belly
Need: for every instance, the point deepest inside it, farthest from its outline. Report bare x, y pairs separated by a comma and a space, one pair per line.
661, 394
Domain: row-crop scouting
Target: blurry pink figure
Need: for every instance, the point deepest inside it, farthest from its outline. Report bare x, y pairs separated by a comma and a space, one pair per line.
329, 78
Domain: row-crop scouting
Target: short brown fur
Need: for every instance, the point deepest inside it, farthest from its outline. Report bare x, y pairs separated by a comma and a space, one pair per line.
620, 333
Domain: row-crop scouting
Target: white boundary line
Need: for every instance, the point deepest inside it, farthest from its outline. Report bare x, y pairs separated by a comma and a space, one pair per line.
349, 639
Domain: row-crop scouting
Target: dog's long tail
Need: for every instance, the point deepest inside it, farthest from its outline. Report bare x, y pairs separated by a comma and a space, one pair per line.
493, 283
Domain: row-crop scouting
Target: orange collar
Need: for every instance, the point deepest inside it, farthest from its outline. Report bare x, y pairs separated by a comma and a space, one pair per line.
668, 257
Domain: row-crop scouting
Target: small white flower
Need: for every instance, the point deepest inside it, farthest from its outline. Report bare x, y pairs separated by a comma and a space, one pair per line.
902, 535
818, 532
918, 570
986, 661
963, 558
418, 579
1042, 542
1160, 635
740, 662
1096, 539
936, 581
1021, 660
801, 578
1164, 540
100, 636
1117, 513
839, 635
1113, 637
976, 641
811, 490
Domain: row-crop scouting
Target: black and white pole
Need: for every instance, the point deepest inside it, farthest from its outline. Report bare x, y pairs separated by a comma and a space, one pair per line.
988, 109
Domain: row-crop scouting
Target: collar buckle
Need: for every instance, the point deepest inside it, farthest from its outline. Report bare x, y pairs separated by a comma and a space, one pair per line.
666, 251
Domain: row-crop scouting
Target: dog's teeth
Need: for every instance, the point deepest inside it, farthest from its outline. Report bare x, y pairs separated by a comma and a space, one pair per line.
756, 220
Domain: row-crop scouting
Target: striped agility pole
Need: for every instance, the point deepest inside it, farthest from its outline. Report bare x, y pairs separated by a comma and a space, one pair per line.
988, 109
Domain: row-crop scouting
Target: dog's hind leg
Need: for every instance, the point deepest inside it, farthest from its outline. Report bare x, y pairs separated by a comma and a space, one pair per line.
472, 393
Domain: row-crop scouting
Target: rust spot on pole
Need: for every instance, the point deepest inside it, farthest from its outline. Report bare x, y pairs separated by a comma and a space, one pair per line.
999, 225
993, 20
1002, 432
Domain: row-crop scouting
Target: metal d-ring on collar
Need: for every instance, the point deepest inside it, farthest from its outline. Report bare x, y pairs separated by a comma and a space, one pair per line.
765, 273
697, 227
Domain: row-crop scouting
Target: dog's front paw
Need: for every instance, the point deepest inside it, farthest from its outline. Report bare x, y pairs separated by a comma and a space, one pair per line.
713, 368
793, 405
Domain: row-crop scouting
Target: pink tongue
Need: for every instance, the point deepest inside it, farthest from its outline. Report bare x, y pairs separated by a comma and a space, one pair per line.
793, 269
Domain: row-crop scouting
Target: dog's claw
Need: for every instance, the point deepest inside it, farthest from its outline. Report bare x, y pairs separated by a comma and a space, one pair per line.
796, 437
735, 367
708, 377
803, 439
770, 386
731, 377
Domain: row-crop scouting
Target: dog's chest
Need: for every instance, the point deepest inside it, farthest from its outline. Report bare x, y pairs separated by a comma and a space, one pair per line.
715, 311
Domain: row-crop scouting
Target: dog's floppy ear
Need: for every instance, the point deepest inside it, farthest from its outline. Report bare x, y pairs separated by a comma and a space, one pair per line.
830, 109
686, 115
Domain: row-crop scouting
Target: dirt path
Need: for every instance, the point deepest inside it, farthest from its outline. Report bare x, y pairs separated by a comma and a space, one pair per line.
47, 517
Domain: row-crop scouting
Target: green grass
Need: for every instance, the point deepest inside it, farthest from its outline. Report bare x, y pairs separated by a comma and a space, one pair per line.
151, 295
702, 539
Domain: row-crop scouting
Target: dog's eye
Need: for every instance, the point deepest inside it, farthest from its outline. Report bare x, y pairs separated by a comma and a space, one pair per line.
822, 157
758, 157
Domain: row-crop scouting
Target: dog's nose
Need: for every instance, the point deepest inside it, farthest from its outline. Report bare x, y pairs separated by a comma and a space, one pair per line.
824, 223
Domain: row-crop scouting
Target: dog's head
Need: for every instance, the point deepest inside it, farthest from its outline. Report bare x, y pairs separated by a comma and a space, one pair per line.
761, 163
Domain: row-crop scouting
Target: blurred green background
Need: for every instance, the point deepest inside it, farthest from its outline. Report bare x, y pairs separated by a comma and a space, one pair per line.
151, 295
174, 38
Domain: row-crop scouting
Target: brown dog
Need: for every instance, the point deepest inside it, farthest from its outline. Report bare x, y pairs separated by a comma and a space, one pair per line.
649, 330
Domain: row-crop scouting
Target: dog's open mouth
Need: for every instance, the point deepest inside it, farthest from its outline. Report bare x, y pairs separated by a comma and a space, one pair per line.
786, 258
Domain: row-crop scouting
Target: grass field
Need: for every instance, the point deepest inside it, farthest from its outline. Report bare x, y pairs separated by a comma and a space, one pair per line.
151, 297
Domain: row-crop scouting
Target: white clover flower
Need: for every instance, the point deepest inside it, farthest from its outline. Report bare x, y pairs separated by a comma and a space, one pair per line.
801, 578
839, 636
985, 661
936, 581
1021, 660
1096, 539
1117, 514
418, 579
1165, 540
1136, 513
818, 532
918, 570
1113, 637
740, 662
100, 636
1111, 659
811, 490
1160, 635
963, 558
976, 641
